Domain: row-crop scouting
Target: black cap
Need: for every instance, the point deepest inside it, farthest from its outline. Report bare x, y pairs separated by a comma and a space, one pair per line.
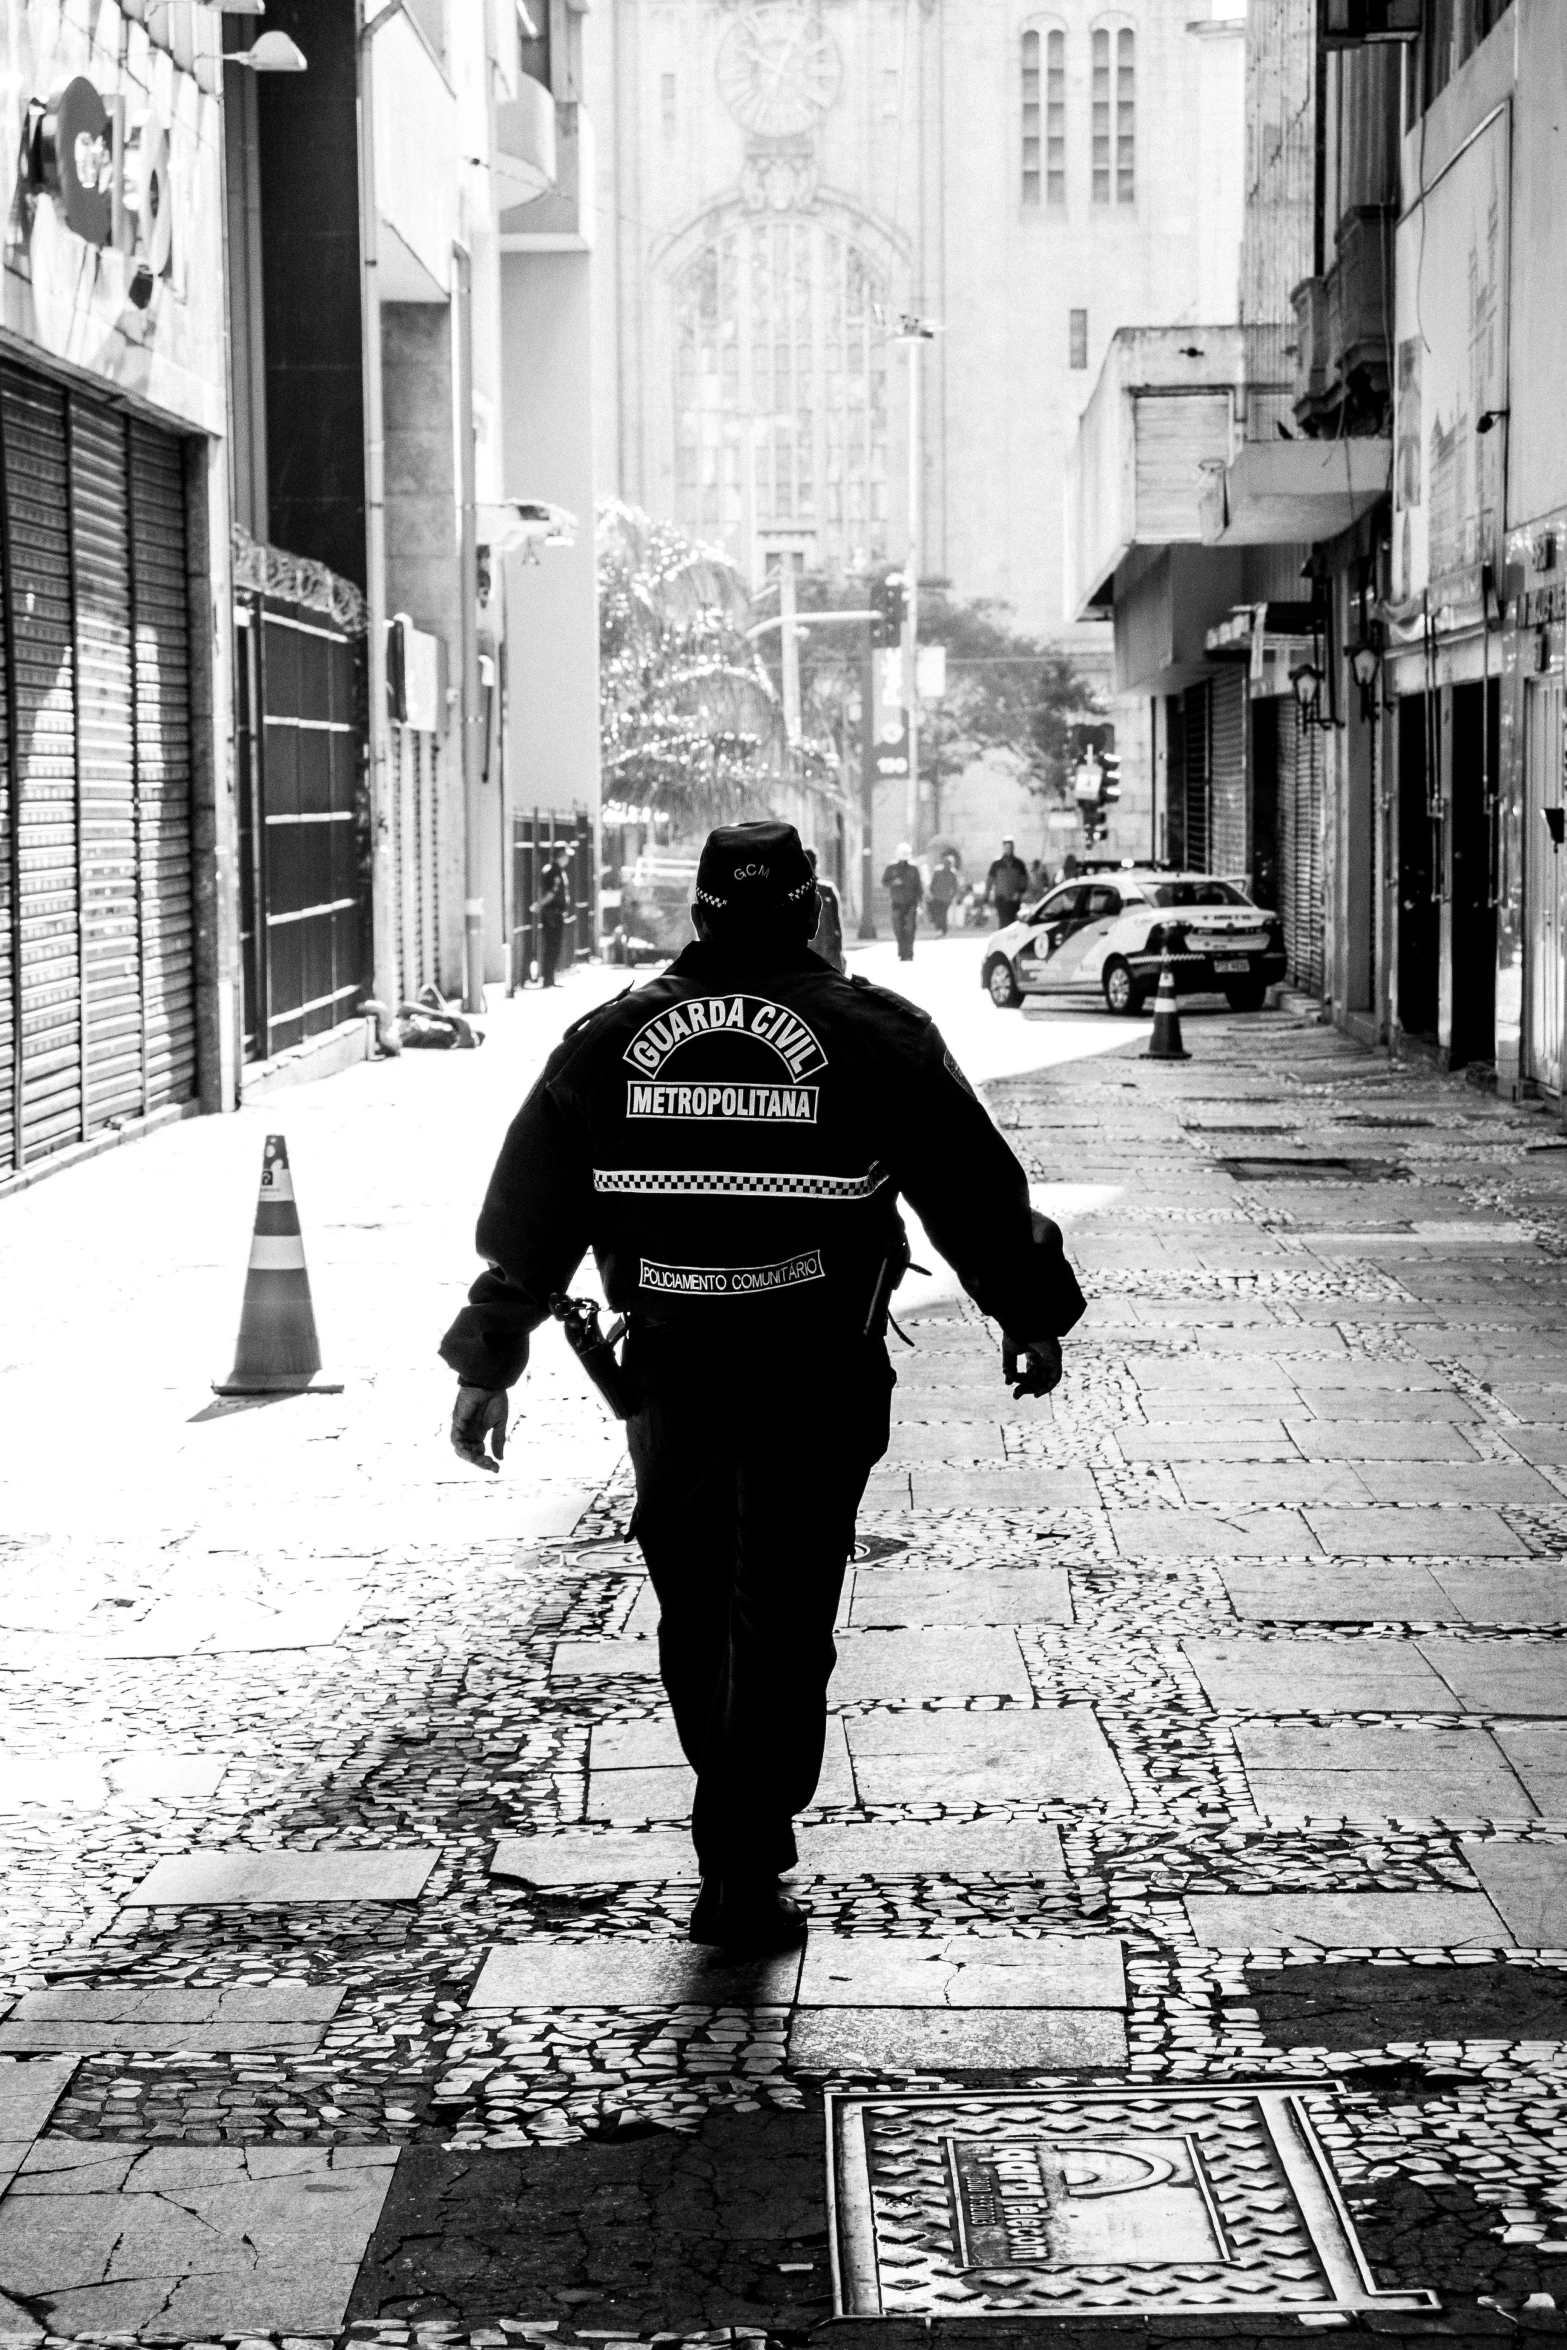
753, 868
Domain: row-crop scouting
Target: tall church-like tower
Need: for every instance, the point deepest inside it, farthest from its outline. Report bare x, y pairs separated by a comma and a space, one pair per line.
781, 180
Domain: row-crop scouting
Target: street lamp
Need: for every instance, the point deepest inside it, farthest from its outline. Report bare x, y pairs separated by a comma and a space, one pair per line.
1365, 664
270, 53
916, 333
1306, 684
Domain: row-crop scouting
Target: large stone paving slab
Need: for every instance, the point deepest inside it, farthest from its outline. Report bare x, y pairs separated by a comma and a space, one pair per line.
878, 1849
959, 1596
1503, 1676
1345, 1921
181, 2243
1537, 1751
1262, 1533
1377, 1771
1003, 1489
645, 1776
1415, 1533
597, 1660
1021, 1755
282, 2015
1293, 1675
1426, 1439
963, 1971
28, 2095
1494, 1483
1236, 1485
621, 1971
903, 1667
1374, 1591
265, 1874
1527, 1883
838, 2040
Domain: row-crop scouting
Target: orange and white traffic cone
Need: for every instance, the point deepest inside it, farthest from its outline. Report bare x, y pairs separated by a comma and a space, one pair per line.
278, 1352
1165, 1043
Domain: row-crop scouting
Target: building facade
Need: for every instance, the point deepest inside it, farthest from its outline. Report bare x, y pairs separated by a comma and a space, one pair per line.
117, 928
789, 179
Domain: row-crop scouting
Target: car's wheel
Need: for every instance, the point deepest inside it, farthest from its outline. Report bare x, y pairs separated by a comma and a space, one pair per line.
1122, 993
1001, 985
1246, 995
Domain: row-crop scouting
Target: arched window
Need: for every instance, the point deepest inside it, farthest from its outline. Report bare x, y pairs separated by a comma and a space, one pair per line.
1114, 115
781, 388
1043, 92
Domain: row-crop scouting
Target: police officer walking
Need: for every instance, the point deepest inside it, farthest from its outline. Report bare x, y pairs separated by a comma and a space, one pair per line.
731, 1141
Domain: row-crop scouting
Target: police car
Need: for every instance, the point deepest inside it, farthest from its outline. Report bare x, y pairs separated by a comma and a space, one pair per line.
1111, 931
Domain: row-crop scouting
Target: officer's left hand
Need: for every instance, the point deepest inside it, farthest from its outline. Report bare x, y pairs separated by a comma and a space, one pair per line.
1033, 1364
477, 1413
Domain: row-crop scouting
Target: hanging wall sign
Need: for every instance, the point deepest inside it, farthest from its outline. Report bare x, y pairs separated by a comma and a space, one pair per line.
108, 174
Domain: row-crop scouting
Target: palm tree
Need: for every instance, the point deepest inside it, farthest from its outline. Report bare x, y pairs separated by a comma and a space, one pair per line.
689, 721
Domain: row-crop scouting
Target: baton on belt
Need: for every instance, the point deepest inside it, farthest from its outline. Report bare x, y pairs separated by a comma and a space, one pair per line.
595, 1350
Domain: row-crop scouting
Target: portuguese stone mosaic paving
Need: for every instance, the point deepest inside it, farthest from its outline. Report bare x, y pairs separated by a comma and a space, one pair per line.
1271, 1698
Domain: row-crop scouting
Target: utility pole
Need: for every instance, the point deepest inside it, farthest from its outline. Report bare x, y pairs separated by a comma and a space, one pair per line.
789, 638
914, 333
385, 979
867, 778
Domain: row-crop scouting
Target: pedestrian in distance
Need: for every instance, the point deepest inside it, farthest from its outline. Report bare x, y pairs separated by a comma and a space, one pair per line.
1006, 884
552, 905
828, 942
905, 886
943, 889
731, 1141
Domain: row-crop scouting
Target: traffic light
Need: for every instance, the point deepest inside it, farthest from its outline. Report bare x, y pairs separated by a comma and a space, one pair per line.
1110, 778
891, 606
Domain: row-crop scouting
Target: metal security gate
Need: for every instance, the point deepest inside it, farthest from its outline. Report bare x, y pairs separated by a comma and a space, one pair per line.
97, 975
1544, 885
1198, 777
1300, 844
416, 790
534, 839
304, 831
1228, 847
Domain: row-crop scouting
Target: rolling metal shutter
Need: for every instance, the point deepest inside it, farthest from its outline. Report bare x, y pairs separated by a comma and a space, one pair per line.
1300, 845
1199, 719
96, 925
42, 682
106, 766
163, 762
9, 967
1228, 847
415, 784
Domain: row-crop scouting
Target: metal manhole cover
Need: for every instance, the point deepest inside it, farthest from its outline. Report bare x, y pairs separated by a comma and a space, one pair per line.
1059, 2203
1250, 1170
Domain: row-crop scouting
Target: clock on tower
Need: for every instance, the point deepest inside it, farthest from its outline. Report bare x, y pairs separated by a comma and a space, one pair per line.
778, 67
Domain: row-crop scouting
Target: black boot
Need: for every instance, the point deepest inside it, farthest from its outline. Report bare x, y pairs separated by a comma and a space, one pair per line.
749, 1914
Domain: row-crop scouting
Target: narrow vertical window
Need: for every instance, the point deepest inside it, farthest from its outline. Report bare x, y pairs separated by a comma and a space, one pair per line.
1125, 117
1055, 118
1100, 117
667, 100
1077, 329
1031, 182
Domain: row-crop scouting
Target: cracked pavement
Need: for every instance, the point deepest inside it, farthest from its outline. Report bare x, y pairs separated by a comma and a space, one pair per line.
1198, 1733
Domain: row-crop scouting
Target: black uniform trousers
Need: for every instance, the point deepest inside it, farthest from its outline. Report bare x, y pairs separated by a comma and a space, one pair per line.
749, 1472
551, 932
1006, 911
904, 920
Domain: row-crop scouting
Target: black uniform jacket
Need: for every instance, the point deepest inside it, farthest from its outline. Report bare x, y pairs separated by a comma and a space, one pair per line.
730, 1141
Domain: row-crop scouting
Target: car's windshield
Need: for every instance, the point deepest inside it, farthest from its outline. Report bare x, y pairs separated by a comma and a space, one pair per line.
1199, 893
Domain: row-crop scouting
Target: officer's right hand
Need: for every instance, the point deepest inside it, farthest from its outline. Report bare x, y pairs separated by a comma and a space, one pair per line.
1032, 1366
477, 1413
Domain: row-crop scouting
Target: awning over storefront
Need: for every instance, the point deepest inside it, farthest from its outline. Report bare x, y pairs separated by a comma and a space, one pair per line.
1277, 493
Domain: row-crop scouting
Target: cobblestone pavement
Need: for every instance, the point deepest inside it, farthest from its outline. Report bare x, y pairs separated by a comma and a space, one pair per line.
1189, 1872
